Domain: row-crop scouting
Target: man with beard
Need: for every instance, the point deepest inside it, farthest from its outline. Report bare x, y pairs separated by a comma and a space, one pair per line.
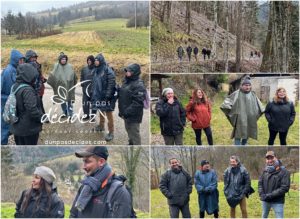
176, 186
243, 109
272, 186
206, 183
92, 199
237, 186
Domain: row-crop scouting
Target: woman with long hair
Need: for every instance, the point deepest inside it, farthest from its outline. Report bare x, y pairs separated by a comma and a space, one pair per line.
280, 114
41, 200
198, 111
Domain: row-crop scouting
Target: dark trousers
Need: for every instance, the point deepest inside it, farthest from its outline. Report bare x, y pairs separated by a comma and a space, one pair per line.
208, 134
42, 105
27, 140
216, 214
86, 104
273, 134
173, 139
175, 209
133, 131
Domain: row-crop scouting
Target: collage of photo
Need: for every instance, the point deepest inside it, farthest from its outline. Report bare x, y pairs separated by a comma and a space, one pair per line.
150, 109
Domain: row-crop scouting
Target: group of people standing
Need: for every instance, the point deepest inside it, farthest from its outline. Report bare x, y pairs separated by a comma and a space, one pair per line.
189, 50
99, 88
242, 108
176, 185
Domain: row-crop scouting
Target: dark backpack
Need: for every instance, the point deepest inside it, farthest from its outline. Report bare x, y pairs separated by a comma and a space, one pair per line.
10, 108
115, 185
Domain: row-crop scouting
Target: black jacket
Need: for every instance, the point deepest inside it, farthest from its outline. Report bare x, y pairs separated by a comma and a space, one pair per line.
97, 207
176, 186
86, 74
103, 86
189, 50
196, 50
131, 99
29, 109
237, 184
280, 116
273, 186
172, 117
53, 209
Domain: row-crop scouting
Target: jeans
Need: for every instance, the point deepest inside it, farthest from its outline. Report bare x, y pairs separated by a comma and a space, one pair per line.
208, 134
277, 207
240, 141
133, 131
67, 108
175, 209
173, 139
282, 137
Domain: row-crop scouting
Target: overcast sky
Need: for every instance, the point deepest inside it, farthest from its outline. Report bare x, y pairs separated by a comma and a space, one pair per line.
34, 5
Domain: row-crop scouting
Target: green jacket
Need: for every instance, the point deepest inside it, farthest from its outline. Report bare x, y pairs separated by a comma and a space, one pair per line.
243, 110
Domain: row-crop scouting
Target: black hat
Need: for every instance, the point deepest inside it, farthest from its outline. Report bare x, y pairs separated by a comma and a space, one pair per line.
204, 162
134, 68
100, 151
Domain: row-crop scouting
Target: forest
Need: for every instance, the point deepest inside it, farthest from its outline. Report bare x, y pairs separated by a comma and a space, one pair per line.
243, 36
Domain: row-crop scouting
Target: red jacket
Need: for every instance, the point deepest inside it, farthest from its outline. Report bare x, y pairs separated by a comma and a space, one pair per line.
200, 116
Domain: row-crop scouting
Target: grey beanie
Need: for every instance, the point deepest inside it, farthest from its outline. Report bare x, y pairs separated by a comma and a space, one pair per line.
166, 90
246, 81
46, 173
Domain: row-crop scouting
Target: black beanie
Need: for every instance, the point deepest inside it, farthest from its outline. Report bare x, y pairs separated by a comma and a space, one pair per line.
204, 162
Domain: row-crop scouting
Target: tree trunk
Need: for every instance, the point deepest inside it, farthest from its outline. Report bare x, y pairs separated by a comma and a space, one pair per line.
227, 37
238, 38
188, 16
214, 44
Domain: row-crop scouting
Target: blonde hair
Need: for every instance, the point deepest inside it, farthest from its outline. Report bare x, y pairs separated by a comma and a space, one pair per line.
276, 98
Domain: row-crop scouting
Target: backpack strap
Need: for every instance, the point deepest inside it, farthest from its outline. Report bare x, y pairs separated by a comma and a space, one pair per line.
112, 189
18, 88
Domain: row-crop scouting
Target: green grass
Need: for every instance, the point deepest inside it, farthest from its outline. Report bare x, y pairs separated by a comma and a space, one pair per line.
8, 210
222, 129
159, 206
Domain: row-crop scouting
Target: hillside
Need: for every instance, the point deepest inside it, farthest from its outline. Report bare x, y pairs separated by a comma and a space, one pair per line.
165, 40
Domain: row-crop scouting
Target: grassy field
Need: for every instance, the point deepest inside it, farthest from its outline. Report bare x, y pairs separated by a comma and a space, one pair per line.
120, 45
8, 211
159, 207
222, 129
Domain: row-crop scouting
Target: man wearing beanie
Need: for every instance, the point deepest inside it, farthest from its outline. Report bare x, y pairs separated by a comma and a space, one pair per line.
206, 183
172, 117
102, 193
176, 185
63, 75
272, 186
87, 76
131, 102
41, 200
243, 109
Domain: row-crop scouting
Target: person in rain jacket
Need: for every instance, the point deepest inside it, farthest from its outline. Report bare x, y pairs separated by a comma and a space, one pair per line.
237, 186
206, 183
198, 111
87, 76
180, 53
41, 200
104, 95
8, 78
243, 109
172, 117
63, 75
280, 114
131, 102
26, 130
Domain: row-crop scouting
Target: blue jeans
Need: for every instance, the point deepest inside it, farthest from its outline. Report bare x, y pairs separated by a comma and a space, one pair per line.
4, 126
277, 207
67, 108
237, 141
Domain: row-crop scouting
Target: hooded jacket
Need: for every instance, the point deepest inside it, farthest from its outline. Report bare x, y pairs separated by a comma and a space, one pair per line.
53, 209
28, 107
237, 184
131, 97
176, 186
103, 86
243, 110
87, 75
63, 75
199, 115
274, 185
171, 116
8, 76
280, 115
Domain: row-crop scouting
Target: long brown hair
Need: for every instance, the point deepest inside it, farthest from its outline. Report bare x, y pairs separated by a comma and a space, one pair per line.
45, 187
197, 100
277, 99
